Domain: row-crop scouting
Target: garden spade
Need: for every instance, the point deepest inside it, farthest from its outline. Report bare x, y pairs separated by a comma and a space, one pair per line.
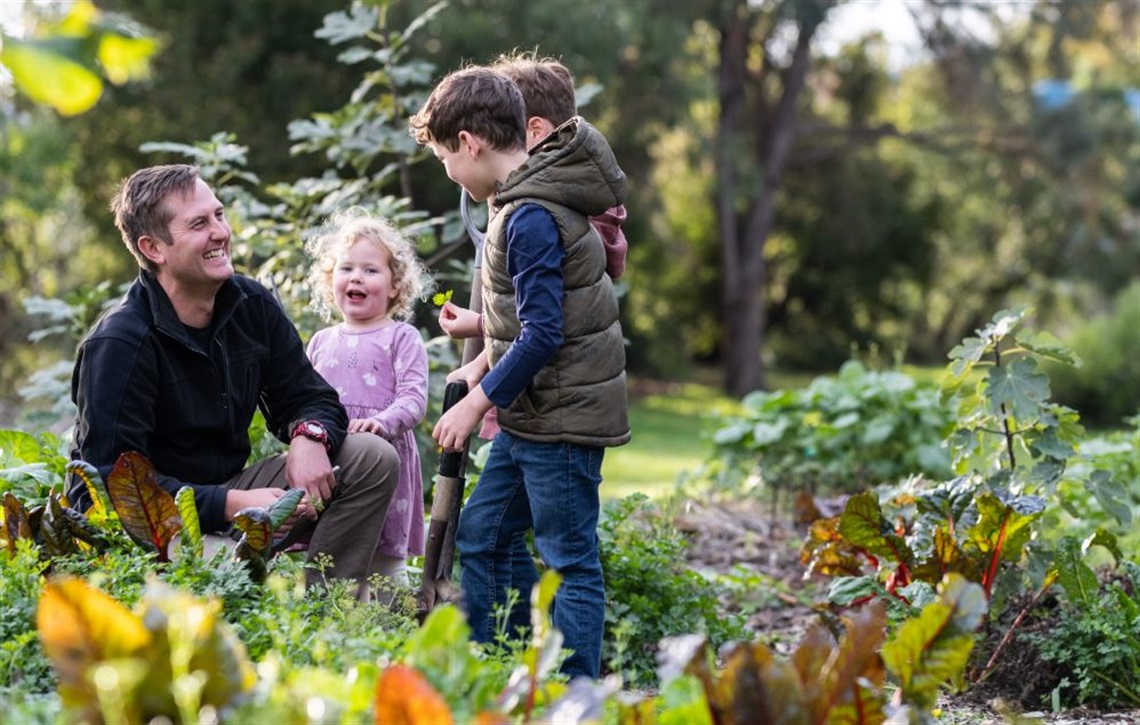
439, 550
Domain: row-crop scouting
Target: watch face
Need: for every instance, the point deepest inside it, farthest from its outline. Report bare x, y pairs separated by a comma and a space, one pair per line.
311, 429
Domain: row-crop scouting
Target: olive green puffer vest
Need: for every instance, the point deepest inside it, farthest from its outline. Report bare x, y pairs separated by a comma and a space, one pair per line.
580, 395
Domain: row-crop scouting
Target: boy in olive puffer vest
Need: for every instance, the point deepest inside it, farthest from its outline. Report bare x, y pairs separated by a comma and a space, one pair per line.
554, 357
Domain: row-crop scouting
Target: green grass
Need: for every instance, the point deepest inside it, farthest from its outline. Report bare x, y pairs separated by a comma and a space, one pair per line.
670, 435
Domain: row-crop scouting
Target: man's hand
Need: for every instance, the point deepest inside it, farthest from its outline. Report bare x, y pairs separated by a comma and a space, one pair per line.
236, 500
307, 467
458, 322
366, 425
456, 425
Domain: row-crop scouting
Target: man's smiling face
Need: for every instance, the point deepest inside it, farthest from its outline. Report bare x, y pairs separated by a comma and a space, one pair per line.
196, 253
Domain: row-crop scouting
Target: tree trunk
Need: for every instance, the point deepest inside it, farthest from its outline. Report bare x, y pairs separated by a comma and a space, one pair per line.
761, 138
740, 367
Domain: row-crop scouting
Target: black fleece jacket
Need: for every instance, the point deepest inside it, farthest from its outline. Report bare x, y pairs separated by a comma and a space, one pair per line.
144, 382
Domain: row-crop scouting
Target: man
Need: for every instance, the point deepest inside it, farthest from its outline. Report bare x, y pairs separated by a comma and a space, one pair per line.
177, 368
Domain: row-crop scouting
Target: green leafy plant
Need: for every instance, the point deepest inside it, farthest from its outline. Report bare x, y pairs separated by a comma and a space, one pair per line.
650, 594
1111, 462
31, 465
1096, 637
439, 299
957, 528
1012, 446
1013, 437
840, 433
23, 665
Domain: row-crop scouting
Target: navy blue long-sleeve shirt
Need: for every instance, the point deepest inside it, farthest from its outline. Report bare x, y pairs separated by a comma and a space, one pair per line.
534, 261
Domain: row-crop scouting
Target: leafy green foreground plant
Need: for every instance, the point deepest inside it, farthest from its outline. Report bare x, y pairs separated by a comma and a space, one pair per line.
650, 593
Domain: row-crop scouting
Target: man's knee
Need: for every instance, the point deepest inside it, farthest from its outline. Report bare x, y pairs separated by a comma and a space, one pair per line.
369, 457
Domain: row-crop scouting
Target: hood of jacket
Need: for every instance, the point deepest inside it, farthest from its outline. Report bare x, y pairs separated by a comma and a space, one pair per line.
573, 166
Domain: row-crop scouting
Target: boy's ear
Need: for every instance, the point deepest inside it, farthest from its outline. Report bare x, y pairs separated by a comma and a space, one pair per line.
471, 143
537, 128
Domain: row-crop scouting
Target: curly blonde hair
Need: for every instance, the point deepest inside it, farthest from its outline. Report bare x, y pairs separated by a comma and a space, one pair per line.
410, 279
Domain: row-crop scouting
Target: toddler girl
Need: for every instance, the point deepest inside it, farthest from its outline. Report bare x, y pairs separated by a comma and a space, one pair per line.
370, 274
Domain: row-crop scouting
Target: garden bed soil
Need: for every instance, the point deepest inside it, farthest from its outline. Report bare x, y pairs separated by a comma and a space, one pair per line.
750, 536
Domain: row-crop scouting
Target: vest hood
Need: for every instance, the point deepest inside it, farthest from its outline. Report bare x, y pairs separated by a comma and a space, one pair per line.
573, 166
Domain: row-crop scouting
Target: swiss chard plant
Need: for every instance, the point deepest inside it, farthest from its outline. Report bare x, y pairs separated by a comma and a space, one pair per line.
1011, 446
838, 672
131, 501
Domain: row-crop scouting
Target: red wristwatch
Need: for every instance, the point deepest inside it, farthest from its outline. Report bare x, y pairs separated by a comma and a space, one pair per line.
312, 430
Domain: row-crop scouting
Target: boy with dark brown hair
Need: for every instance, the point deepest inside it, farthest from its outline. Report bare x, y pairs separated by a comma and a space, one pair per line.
554, 357
547, 89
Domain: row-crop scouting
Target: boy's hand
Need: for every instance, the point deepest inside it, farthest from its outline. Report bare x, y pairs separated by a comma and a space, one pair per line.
472, 372
458, 322
456, 425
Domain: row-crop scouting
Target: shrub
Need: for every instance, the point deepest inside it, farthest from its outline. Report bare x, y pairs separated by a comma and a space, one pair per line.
1106, 388
841, 433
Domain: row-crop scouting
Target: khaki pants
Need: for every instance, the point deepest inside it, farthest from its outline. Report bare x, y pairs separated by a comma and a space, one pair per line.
349, 528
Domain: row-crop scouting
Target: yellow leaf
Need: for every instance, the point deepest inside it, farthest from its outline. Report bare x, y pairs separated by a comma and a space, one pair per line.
194, 628
82, 15
125, 59
49, 78
80, 626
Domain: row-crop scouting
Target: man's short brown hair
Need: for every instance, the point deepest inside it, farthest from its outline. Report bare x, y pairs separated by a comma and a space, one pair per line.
475, 99
139, 206
546, 85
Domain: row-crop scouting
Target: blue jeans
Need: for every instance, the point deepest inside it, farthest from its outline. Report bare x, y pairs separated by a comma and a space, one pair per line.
554, 488
524, 575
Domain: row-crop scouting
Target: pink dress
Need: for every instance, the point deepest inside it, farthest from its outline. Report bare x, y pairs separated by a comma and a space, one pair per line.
383, 374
